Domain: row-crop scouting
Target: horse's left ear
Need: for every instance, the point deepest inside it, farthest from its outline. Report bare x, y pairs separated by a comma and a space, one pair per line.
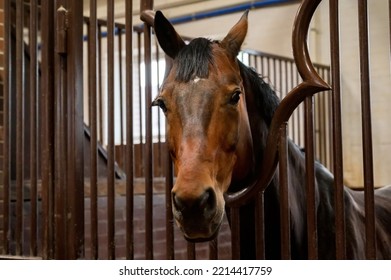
168, 38
235, 37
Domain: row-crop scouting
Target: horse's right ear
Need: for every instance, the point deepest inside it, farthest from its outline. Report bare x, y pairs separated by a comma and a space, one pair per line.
169, 39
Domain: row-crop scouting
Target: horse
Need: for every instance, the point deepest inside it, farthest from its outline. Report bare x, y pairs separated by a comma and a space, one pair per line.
218, 114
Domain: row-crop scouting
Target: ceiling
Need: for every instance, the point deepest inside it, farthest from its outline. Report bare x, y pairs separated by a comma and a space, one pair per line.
171, 8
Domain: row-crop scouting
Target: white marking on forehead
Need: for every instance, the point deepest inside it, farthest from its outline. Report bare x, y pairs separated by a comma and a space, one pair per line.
197, 79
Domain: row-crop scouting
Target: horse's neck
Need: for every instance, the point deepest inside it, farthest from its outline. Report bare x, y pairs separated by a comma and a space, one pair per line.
297, 201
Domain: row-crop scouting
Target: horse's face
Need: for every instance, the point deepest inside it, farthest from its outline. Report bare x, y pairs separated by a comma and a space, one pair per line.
208, 129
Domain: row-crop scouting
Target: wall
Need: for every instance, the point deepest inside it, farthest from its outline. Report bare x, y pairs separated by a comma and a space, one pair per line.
269, 29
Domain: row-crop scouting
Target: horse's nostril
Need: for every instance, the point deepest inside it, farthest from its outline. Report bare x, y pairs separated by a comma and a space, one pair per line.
178, 203
208, 200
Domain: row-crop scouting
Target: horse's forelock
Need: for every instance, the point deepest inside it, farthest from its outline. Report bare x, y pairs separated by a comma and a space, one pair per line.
193, 60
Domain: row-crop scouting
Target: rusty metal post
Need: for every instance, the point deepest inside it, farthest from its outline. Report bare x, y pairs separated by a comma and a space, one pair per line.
7, 128
20, 98
284, 193
92, 78
75, 192
148, 5
129, 132
367, 131
110, 132
60, 147
310, 180
34, 78
337, 133
47, 123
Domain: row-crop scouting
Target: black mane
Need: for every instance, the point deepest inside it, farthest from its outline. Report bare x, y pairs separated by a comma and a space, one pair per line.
193, 60
266, 99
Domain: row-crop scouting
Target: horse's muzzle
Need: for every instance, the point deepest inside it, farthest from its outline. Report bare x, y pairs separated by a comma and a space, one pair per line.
199, 218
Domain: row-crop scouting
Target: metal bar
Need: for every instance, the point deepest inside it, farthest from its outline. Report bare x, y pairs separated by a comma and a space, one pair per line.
7, 127
75, 137
330, 106
47, 117
148, 147
389, 21
60, 144
367, 131
191, 252
140, 114
20, 98
129, 131
33, 26
259, 227
110, 132
284, 195
158, 157
170, 252
148, 5
340, 241
213, 249
121, 92
280, 73
100, 85
235, 232
60, 178
92, 72
310, 180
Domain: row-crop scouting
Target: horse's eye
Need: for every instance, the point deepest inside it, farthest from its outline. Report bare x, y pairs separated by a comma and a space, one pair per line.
235, 97
159, 102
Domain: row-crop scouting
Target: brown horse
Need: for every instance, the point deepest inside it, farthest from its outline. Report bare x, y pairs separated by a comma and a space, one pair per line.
218, 114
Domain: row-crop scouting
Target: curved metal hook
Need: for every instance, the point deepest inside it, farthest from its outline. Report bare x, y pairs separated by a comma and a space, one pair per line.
311, 84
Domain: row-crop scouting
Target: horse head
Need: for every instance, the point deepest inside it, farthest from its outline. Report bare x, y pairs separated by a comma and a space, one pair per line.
208, 130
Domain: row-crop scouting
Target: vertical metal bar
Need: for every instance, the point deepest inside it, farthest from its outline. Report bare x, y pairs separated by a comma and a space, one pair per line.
337, 133
110, 132
330, 106
7, 126
148, 146
148, 5
293, 119
20, 98
121, 92
75, 131
299, 111
284, 195
33, 123
367, 131
389, 22
191, 252
47, 117
158, 157
280, 73
310, 180
259, 227
140, 114
213, 249
170, 252
60, 144
235, 232
100, 85
92, 72
129, 130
